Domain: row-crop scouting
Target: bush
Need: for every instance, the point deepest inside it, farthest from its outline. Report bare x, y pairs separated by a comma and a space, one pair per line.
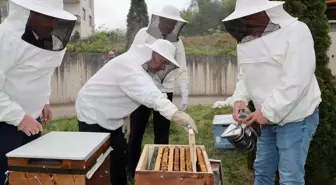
100, 42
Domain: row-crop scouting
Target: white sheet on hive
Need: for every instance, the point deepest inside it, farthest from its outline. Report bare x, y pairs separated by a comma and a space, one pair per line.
62, 145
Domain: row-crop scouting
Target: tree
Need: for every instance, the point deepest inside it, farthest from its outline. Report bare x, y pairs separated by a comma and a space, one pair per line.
206, 15
136, 19
321, 162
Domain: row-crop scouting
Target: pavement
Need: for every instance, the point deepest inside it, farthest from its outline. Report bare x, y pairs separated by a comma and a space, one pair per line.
68, 110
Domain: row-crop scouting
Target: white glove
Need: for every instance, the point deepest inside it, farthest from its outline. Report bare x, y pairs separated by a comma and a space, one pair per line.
184, 104
221, 104
126, 128
183, 119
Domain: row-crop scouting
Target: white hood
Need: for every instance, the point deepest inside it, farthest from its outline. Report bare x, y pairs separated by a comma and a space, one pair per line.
25, 66
276, 68
168, 12
279, 16
19, 15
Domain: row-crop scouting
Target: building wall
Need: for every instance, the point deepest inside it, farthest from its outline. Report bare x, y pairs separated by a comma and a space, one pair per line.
208, 75
87, 24
332, 49
84, 9
74, 8
3, 10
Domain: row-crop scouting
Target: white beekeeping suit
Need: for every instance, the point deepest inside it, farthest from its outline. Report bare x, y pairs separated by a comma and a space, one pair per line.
33, 40
122, 85
118, 89
276, 62
25, 69
268, 62
150, 34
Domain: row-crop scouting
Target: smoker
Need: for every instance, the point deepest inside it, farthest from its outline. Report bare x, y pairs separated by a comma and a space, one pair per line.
242, 136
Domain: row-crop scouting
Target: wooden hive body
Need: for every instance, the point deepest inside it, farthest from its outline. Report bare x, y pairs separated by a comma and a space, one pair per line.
171, 164
82, 159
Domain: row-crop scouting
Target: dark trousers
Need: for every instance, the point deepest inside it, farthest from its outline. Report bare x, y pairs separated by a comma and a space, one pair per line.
139, 119
118, 157
10, 139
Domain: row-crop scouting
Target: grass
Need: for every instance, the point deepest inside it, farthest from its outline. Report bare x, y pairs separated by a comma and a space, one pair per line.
234, 164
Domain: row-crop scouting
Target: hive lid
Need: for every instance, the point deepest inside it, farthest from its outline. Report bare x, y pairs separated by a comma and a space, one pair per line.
62, 145
225, 119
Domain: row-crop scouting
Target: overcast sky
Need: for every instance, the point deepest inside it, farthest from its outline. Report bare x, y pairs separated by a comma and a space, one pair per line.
112, 13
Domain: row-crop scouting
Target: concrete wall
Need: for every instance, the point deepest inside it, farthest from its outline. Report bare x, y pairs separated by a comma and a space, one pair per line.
209, 75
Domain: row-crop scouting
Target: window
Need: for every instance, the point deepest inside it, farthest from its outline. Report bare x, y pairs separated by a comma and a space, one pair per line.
3, 9
91, 3
84, 14
90, 20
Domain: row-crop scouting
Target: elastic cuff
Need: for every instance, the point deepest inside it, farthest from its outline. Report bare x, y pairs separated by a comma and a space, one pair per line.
234, 100
16, 122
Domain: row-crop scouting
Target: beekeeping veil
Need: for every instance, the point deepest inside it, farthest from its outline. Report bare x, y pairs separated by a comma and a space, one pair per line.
163, 48
253, 19
166, 24
51, 34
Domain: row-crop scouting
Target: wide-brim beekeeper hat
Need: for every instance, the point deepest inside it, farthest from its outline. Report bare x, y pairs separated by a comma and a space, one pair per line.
169, 12
52, 8
246, 24
165, 49
249, 7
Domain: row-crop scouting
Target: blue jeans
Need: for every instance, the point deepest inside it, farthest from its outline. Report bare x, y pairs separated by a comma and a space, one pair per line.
284, 147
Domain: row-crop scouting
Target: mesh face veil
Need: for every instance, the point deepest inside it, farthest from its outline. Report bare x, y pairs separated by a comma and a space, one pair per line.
159, 76
41, 23
159, 25
248, 28
56, 40
166, 24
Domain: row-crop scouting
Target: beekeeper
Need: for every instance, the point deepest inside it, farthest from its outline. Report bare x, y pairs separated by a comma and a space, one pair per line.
119, 88
165, 24
276, 60
33, 37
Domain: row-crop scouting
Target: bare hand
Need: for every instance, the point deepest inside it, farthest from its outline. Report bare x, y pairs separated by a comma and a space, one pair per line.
46, 114
257, 117
238, 105
30, 126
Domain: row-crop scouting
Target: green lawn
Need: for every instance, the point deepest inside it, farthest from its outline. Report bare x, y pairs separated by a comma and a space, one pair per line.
234, 165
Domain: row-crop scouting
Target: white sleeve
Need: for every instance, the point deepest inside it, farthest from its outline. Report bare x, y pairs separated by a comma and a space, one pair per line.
297, 74
10, 112
182, 72
240, 93
142, 89
49, 90
139, 38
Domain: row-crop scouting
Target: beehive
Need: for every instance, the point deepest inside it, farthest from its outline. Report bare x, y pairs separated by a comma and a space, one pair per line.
62, 158
172, 164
